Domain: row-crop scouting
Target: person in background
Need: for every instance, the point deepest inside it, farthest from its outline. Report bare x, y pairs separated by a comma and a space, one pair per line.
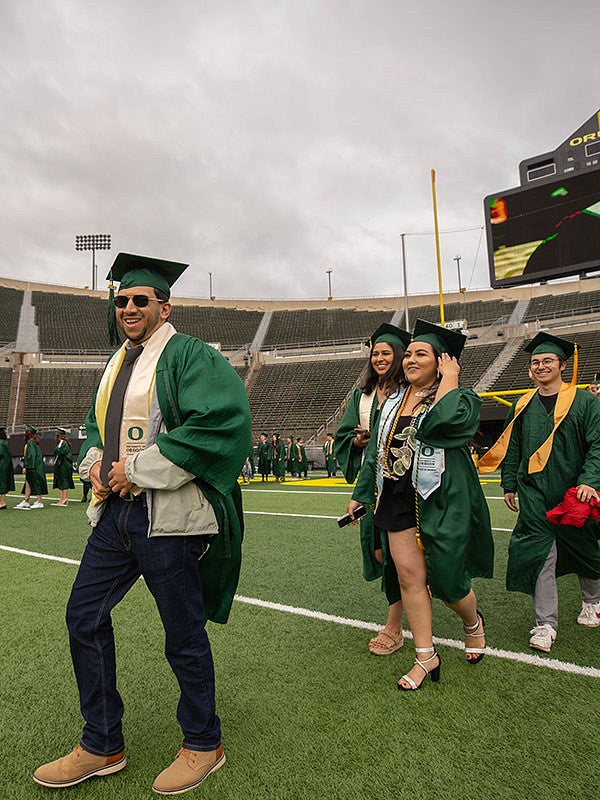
63, 467
382, 378
263, 449
428, 496
35, 473
302, 462
551, 443
330, 457
594, 387
7, 475
278, 457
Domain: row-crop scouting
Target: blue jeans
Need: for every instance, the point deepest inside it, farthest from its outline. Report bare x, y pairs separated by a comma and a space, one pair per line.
117, 553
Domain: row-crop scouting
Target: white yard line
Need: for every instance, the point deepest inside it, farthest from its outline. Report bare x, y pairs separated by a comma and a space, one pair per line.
522, 658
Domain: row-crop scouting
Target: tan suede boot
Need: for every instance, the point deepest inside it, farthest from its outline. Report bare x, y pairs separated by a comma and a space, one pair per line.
188, 770
78, 766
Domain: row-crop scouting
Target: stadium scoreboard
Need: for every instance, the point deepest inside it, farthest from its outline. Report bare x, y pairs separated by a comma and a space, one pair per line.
549, 226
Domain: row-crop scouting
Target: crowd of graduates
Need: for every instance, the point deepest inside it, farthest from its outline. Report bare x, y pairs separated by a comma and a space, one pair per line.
278, 457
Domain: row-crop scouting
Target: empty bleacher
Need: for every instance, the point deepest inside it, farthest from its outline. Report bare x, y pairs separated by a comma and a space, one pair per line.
553, 306
475, 360
75, 323
478, 313
298, 398
5, 381
322, 326
231, 327
58, 396
11, 301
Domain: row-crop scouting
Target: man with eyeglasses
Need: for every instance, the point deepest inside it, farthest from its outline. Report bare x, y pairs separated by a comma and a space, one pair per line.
551, 442
167, 435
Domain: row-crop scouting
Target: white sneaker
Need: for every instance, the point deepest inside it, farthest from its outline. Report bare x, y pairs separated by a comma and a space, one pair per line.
543, 637
22, 504
37, 505
590, 615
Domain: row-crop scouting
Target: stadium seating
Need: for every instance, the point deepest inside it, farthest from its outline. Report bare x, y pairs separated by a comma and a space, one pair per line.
324, 325
562, 305
478, 313
57, 396
298, 398
5, 381
10, 302
232, 328
75, 323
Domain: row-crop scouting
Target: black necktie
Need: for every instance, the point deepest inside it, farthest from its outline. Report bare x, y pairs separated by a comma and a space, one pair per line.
114, 412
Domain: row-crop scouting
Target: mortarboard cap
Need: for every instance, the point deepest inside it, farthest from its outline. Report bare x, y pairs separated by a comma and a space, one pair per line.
131, 270
443, 339
546, 343
31, 429
596, 380
62, 431
390, 334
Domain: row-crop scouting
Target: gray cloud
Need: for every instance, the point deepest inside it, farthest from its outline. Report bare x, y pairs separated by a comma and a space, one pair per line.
266, 142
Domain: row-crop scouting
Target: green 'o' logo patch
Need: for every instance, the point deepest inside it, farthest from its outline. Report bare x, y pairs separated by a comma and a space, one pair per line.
135, 433
427, 451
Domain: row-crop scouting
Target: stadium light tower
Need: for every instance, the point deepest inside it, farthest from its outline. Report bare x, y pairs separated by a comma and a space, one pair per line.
93, 242
210, 289
457, 259
329, 271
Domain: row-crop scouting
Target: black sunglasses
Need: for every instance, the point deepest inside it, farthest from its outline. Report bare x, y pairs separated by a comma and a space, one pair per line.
139, 300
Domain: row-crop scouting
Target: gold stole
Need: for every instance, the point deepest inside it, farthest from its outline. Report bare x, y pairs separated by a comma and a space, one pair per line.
136, 409
495, 455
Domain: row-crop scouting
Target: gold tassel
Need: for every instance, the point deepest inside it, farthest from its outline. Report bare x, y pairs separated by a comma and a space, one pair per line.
575, 365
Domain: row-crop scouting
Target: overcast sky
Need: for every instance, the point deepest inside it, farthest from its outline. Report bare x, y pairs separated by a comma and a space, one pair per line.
265, 142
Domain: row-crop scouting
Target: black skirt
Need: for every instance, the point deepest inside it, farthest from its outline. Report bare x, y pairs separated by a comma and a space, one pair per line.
396, 509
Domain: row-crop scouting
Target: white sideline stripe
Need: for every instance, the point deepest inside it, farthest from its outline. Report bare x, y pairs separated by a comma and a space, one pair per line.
39, 555
523, 658
282, 514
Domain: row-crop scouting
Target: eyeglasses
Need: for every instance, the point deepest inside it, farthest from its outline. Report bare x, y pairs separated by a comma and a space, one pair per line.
139, 300
545, 362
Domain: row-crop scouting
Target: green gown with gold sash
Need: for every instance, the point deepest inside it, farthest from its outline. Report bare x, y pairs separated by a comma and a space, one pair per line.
574, 459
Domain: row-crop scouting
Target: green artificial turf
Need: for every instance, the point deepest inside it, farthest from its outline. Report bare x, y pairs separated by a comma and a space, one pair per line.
306, 711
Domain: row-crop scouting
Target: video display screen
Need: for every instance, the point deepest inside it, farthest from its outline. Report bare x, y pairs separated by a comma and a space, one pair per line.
552, 230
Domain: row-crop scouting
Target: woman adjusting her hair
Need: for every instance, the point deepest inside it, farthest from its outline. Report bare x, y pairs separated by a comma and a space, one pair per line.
428, 497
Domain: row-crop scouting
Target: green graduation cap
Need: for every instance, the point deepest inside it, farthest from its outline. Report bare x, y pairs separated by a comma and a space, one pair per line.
596, 380
546, 343
390, 334
443, 339
31, 429
62, 431
131, 270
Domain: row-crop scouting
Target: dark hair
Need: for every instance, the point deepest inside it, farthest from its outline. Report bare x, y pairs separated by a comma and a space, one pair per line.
3, 434
436, 383
392, 379
160, 295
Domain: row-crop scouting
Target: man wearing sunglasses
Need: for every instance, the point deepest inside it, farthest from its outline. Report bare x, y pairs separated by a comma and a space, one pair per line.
168, 432
550, 444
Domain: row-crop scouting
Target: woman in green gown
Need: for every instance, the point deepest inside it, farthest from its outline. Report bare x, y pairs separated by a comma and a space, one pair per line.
429, 499
382, 378
63, 467
7, 475
34, 470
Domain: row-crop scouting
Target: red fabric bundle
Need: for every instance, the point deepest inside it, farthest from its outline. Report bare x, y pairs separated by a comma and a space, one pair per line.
573, 511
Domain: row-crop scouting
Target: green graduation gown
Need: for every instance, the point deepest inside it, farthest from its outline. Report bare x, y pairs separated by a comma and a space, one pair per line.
279, 459
574, 459
454, 520
261, 455
205, 410
7, 475
63, 466
350, 459
33, 462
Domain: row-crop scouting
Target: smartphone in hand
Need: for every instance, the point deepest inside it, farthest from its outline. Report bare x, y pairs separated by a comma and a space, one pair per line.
347, 519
